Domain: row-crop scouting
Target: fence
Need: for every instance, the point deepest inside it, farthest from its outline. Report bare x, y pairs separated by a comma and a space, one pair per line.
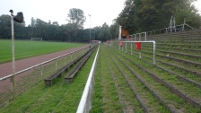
29, 77
130, 48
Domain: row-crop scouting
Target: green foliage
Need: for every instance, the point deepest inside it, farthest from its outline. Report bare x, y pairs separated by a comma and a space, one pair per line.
76, 16
105, 32
146, 15
5, 28
51, 31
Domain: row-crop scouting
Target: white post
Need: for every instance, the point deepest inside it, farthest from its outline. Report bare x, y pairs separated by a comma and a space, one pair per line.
122, 48
41, 70
56, 65
90, 28
41, 73
131, 49
140, 55
126, 48
154, 52
13, 56
145, 36
119, 32
135, 37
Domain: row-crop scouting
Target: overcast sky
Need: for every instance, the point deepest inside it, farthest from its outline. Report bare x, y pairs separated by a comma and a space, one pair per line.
56, 10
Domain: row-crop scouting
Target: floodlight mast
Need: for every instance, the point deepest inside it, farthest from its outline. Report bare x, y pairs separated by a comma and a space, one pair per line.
90, 28
12, 79
20, 19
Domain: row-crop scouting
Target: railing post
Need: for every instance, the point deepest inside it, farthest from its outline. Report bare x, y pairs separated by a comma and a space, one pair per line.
56, 65
71, 56
145, 36
154, 52
126, 48
131, 48
41, 72
140, 55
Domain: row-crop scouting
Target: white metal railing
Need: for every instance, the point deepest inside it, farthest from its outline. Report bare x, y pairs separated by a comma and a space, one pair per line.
154, 48
34, 73
139, 36
85, 102
24, 70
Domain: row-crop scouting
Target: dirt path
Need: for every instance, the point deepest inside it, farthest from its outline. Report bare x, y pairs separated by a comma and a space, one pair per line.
6, 68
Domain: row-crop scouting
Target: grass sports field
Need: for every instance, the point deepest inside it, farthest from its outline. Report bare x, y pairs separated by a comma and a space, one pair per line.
24, 49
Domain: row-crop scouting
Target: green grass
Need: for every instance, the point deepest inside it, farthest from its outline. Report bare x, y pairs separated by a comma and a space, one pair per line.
24, 49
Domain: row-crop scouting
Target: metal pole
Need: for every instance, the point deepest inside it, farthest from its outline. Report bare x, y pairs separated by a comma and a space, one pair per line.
131, 49
71, 56
122, 47
135, 37
13, 56
140, 55
154, 52
126, 48
119, 32
90, 28
145, 36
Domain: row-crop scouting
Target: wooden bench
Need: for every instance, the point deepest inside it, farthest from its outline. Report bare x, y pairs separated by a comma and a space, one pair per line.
57, 74
69, 77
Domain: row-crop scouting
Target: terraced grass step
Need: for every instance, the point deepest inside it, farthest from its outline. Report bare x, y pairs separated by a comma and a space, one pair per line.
184, 72
143, 74
183, 34
191, 51
180, 45
194, 63
153, 89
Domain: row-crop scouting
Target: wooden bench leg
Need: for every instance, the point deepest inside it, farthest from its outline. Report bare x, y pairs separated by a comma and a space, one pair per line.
59, 76
48, 83
69, 80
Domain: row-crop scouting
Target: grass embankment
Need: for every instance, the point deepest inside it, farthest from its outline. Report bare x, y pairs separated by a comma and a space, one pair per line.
60, 98
24, 49
155, 95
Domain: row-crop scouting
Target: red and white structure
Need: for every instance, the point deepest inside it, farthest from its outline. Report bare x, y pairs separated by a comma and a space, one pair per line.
136, 39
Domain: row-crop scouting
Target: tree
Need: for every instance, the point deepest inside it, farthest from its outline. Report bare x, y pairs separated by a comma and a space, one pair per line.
41, 30
105, 33
76, 16
5, 26
145, 15
33, 24
114, 31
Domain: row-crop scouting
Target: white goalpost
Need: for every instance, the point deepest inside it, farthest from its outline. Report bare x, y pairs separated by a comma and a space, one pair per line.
36, 39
